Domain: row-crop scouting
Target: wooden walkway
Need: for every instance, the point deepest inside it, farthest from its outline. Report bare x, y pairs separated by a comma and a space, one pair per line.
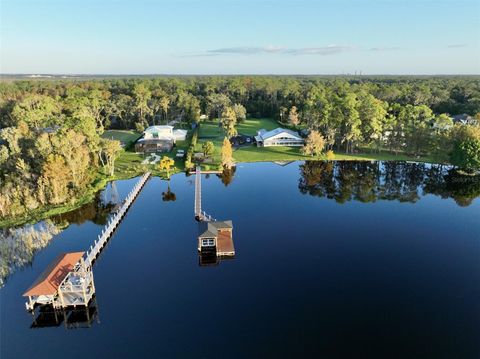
76, 286
199, 214
114, 221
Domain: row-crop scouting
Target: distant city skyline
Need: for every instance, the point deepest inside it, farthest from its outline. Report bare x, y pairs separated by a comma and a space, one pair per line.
240, 37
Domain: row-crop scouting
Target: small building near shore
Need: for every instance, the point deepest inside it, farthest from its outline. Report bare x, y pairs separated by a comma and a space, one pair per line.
278, 137
159, 139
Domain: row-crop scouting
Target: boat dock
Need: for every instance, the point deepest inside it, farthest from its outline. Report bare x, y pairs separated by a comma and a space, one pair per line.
199, 214
68, 280
215, 238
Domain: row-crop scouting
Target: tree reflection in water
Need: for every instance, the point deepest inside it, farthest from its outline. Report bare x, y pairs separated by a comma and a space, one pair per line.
370, 181
227, 175
19, 245
168, 195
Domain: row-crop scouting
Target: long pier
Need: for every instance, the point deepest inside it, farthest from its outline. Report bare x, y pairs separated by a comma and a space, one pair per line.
114, 221
199, 214
69, 280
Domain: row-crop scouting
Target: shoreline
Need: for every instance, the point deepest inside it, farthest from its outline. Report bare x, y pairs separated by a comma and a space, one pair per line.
46, 212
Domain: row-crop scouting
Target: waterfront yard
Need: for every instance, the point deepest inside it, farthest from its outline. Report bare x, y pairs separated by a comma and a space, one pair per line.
211, 131
126, 137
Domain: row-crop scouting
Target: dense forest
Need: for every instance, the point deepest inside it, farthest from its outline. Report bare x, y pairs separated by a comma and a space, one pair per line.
51, 148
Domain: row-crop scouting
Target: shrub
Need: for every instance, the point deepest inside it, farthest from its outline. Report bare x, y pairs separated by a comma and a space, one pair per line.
330, 155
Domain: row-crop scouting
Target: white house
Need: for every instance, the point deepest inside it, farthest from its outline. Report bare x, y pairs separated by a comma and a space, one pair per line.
165, 132
159, 138
278, 137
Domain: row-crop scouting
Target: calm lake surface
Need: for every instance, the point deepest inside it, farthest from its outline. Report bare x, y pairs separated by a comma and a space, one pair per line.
333, 260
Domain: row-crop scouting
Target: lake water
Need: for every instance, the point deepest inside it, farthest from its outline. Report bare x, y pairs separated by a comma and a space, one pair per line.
333, 260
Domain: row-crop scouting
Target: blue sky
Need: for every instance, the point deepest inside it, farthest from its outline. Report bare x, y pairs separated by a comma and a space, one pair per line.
240, 36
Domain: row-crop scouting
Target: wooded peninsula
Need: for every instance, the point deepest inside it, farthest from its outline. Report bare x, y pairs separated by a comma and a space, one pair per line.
61, 140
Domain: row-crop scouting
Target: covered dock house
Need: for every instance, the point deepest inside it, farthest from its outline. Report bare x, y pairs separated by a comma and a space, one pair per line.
215, 238
66, 282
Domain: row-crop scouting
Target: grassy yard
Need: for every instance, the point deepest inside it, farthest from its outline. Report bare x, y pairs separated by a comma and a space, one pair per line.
250, 126
264, 154
210, 131
129, 163
124, 136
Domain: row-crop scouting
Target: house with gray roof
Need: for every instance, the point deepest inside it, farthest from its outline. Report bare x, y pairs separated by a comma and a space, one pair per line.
464, 119
216, 236
278, 137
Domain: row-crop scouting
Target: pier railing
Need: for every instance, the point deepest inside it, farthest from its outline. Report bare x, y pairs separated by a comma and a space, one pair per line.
199, 214
114, 221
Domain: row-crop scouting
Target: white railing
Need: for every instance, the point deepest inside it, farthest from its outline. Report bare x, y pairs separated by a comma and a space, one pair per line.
114, 221
199, 214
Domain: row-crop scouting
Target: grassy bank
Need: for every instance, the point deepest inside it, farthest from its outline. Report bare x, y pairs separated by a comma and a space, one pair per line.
267, 154
45, 212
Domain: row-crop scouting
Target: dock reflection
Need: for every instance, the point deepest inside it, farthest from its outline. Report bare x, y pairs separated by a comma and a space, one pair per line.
71, 318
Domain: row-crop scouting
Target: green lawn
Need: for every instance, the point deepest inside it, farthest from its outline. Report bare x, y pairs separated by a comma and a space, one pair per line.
124, 136
129, 163
264, 154
210, 131
250, 126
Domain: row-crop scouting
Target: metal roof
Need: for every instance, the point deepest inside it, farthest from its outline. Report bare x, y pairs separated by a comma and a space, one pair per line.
49, 281
275, 132
210, 229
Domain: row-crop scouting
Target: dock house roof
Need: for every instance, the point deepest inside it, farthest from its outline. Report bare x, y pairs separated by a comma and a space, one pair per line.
210, 229
51, 278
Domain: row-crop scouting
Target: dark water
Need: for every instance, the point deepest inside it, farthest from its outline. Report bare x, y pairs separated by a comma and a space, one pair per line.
346, 260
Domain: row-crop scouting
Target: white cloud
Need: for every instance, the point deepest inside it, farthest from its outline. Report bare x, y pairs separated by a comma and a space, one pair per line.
246, 50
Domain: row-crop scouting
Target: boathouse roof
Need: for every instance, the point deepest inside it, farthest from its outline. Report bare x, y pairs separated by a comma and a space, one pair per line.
51, 278
225, 245
210, 229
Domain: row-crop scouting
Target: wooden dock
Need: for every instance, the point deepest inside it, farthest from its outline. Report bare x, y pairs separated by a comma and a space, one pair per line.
114, 221
199, 214
68, 281
215, 236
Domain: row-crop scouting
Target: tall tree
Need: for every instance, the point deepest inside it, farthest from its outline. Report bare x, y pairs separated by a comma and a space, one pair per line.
227, 154
166, 163
293, 116
208, 148
240, 112
218, 102
110, 150
229, 121
314, 144
141, 96
372, 114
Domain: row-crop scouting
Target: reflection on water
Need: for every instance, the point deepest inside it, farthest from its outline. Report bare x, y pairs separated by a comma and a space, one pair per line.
318, 278
371, 181
19, 245
227, 175
168, 195
96, 211
72, 318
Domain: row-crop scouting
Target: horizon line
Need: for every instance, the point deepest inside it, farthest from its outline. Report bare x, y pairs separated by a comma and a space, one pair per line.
44, 74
